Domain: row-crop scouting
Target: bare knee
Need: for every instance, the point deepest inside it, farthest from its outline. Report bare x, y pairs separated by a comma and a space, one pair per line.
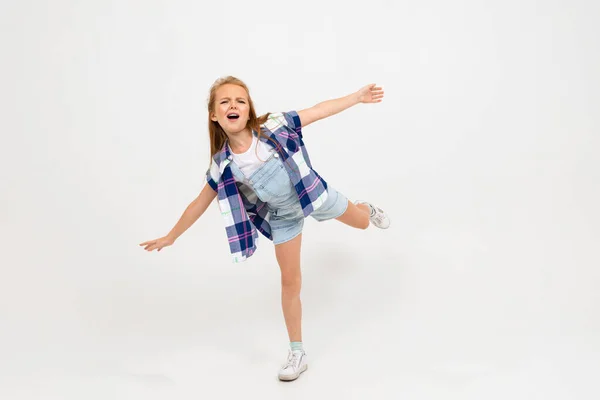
290, 284
290, 279
288, 258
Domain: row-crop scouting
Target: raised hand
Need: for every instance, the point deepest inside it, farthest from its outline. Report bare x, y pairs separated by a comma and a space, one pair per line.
370, 94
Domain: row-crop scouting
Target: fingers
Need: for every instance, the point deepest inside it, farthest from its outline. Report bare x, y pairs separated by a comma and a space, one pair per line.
376, 94
376, 89
153, 245
373, 86
149, 245
375, 99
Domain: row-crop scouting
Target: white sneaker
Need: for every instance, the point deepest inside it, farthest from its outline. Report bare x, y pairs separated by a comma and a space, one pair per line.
378, 217
294, 366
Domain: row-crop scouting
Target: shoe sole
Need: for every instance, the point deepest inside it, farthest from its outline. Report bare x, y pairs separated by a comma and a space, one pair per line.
295, 376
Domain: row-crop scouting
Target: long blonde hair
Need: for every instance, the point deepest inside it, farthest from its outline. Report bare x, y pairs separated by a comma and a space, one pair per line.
216, 134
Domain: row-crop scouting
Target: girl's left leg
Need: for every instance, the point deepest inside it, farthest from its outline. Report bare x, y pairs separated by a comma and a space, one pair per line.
356, 216
288, 258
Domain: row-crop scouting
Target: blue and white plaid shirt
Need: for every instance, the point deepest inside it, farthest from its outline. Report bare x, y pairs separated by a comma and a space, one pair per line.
241, 209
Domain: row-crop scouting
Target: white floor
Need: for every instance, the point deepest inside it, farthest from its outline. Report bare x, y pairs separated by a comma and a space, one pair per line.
384, 327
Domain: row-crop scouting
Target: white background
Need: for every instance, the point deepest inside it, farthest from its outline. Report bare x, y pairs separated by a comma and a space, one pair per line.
484, 152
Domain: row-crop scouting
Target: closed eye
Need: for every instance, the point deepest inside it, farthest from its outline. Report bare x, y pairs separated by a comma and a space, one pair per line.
239, 101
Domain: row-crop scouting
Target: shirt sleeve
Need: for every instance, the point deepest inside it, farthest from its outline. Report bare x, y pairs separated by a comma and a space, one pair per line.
292, 120
211, 176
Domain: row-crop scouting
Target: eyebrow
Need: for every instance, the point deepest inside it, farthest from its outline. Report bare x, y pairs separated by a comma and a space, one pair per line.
223, 98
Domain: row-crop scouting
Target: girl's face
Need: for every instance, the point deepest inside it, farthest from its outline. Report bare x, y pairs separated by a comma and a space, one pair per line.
231, 109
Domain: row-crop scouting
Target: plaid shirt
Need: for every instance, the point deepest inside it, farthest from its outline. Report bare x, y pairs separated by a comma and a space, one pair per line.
241, 209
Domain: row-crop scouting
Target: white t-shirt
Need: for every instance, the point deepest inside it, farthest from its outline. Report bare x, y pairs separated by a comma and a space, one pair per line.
247, 162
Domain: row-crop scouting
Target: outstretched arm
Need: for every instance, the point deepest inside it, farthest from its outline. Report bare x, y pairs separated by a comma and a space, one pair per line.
367, 94
190, 215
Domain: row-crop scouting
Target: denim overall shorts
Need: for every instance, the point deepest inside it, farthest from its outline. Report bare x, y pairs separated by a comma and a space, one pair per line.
272, 185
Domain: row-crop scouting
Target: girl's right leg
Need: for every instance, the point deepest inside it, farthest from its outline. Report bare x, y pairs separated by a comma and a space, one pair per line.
357, 216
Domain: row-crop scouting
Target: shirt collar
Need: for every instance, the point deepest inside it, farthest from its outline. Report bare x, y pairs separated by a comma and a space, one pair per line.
224, 157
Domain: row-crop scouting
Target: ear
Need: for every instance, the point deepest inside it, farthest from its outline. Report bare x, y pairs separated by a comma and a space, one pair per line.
213, 117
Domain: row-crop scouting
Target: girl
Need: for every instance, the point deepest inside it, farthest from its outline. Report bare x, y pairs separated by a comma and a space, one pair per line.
263, 178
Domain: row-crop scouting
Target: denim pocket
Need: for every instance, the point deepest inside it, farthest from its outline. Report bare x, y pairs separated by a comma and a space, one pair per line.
277, 184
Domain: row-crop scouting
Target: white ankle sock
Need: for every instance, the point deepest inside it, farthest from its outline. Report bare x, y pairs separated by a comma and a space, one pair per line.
296, 346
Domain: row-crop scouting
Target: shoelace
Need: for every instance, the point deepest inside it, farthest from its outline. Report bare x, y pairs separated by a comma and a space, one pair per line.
292, 360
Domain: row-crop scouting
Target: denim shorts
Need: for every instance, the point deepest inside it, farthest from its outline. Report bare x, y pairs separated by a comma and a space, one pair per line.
272, 185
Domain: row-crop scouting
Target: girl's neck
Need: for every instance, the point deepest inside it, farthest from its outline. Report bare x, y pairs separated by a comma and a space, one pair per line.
241, 141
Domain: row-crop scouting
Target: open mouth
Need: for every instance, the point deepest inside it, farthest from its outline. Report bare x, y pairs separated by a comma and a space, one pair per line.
232, 116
